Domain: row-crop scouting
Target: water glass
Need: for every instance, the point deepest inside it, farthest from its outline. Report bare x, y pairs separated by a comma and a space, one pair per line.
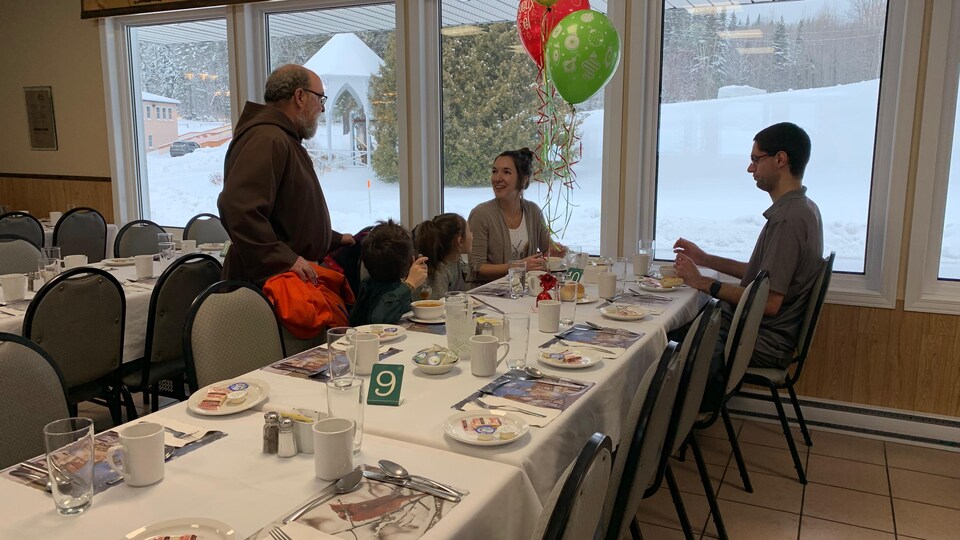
643, 258
52, 252
517, 278
70, 453
517, 334
340, 340
568, 301
459, 323
345, 400
618, 265
168, 249
48, 268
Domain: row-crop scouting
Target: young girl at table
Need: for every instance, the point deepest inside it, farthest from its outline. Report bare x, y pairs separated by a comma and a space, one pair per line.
387, 253
443, 240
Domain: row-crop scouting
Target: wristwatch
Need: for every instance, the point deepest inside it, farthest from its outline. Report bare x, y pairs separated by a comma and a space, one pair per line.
715, 288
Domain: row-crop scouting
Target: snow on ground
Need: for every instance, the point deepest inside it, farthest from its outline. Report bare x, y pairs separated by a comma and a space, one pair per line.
705, 193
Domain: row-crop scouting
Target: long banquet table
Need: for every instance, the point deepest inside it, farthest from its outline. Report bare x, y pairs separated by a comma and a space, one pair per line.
230, 480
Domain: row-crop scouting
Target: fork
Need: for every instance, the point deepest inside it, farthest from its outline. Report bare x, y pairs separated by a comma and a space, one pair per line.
577, 344
510, 408
278, 534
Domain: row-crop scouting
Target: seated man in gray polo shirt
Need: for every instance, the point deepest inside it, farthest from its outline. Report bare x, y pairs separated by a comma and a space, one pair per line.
790, 247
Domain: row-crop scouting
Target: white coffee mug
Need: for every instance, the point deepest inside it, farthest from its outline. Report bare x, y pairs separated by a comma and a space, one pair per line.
333, 447
188, 246
366, 352
483, 355
14, 287
533, 282
549, 315
606, 285
55, 217
641, 264
144, 266
74, 261
141, 446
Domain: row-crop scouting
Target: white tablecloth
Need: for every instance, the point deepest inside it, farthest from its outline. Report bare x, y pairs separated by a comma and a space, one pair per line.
230, 480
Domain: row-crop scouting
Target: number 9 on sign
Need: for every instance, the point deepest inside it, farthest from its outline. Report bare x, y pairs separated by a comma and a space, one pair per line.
386, 381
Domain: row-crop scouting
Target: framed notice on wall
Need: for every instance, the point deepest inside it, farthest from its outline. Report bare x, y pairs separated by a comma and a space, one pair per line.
40, 118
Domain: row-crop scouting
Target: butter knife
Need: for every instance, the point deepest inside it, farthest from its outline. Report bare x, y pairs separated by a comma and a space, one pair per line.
411, 484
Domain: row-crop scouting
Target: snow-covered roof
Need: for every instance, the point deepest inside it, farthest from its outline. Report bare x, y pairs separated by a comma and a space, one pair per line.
346, 56
147, 96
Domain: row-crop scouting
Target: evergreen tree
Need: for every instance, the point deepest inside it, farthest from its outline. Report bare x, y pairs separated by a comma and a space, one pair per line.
383, 102
782, 62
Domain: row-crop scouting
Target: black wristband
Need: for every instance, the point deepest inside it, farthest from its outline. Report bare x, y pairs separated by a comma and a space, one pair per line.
715, 288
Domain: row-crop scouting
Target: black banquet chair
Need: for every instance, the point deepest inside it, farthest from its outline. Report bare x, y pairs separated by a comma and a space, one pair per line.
205, 229
24, 225
139, 237
82, 231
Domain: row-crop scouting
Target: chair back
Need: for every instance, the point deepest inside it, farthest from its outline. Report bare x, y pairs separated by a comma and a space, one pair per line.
643, 461
78, 318
698, 351
176, 289
744, 328
31, 396
573, 509
22, 224
139, 237
17, 255
82, 231
231, 329
205, 228
818, 294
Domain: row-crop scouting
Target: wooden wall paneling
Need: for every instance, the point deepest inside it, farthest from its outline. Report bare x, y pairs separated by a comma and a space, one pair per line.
40, 196
895, 380
907, 353
841, 353
870, 370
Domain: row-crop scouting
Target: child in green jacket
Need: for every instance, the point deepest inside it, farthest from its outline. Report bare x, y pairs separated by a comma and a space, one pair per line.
395, 273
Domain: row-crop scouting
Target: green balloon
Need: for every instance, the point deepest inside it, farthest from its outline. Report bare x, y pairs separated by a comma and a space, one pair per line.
582, 54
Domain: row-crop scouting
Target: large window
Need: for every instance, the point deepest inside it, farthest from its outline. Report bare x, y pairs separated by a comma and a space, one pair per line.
182, 71
355, 150
490, 104
727, 73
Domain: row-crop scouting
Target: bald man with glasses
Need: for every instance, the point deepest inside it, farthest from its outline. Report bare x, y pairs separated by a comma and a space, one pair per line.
790, 247
272, 205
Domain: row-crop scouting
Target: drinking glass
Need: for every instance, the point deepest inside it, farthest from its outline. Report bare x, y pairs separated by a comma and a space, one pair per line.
568, 301
345, 400
459, 323
517, 334
48, 268
168, 249
517, 278
69, 444
643, 258
618, 265
341, 352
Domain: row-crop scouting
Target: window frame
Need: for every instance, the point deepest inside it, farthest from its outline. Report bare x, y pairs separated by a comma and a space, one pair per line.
925, 291
877, 286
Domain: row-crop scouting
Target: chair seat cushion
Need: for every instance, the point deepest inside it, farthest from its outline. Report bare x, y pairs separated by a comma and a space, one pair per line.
777, 376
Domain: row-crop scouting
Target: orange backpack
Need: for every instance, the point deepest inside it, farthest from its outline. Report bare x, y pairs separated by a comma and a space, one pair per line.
306, 309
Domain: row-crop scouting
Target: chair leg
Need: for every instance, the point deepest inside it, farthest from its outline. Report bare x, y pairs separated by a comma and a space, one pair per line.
114, 404
145, 396
800, 420
678, 503
127, 398
747, 486
155, 397
786, 433
708, 487
72, 409
635, 530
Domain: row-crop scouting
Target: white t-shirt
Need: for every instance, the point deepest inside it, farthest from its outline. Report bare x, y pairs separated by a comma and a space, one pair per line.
519, 240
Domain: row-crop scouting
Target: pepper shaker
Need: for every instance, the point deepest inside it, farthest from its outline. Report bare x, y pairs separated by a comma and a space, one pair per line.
287, 446
271, 432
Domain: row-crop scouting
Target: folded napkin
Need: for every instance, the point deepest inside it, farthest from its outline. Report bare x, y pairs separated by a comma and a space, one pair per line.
496, 401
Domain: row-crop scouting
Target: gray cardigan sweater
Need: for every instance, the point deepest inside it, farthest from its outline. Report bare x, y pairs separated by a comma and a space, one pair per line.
491, 237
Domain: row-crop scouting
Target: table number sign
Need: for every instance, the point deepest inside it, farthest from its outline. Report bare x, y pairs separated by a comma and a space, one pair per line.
575, 274
385, 382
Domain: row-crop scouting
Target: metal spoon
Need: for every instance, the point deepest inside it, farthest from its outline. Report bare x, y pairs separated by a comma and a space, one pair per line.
533, 372
343, 485
395, 470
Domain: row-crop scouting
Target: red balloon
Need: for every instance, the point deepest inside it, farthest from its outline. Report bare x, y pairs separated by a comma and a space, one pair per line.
535, 21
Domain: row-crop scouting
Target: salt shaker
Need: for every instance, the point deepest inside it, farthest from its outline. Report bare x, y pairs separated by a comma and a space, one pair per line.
287, 446
271, 432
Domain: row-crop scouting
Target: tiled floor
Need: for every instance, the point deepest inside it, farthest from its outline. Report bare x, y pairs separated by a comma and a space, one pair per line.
858, 488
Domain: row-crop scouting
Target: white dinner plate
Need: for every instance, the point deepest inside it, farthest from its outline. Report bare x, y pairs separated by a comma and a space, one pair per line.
651, 288
201, 527
211, 246
256, 394
387, 332
586, 300
438, 320
551, 356
622, 312
454, 426
125, 261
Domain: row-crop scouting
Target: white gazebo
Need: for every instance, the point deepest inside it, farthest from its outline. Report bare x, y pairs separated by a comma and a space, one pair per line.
345, 64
